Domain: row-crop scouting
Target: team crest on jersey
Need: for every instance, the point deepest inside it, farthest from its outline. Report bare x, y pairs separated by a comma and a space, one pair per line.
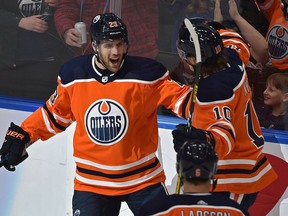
106, 122
32, 7
104, 79
278, 42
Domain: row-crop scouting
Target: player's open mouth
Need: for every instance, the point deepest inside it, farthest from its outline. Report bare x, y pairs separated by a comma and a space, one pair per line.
114, 61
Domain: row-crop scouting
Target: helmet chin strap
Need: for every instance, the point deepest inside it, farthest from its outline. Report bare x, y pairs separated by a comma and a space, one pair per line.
99, 60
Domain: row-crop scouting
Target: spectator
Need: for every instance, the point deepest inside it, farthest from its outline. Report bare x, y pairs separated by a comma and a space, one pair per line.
272, 114
224, 115
141, 18
197, 165
277, 34
113, 97
30, 51
277, 39
251, 13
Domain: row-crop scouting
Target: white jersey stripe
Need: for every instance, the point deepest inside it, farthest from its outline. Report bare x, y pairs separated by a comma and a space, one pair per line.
107, 183
113, 168
245, 180
47, 123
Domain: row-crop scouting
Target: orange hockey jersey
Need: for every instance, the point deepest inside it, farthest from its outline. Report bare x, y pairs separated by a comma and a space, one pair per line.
116, 134
235, 41
277, 34
224, 107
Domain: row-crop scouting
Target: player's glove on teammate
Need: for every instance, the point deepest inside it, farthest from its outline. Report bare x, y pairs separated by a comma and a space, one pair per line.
181, 134
13, 149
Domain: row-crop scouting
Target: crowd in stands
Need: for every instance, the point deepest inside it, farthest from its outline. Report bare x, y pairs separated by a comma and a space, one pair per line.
31, 52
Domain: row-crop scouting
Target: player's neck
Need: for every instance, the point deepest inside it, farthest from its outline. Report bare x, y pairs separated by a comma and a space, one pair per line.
200, 188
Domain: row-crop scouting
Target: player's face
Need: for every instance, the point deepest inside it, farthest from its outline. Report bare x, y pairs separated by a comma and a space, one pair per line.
273, 96
191, 62
188, 70
111, 53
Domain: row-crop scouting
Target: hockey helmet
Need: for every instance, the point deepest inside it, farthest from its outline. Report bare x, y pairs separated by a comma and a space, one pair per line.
209, 39
108, 27
197, 160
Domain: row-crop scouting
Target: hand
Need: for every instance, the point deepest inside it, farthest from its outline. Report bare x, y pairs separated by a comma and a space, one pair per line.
218, 17
181, 134
72, 37
233, 10
34, 23
13, 149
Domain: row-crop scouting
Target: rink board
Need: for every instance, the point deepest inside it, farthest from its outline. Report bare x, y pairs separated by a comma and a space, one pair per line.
43, 184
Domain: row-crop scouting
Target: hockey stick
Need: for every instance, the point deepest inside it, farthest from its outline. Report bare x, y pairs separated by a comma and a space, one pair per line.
194, 37
197, 70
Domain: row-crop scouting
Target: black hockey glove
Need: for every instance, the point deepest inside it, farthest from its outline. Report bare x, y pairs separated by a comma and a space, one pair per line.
181, 135
13, 149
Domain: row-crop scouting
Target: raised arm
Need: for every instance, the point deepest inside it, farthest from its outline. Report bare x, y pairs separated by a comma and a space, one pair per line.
259, 45
218, 17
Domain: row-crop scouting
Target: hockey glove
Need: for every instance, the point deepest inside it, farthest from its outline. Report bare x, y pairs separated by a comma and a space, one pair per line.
181, 135
13, 149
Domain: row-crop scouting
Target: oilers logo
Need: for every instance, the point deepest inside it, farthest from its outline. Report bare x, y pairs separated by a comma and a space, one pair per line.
106, 122
278, 42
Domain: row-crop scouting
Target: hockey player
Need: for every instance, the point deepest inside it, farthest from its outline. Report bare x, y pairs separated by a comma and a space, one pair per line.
230, 38
197, 165
224, 115
113, 98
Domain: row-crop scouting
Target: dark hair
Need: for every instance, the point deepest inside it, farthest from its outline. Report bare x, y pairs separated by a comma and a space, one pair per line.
214, 63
